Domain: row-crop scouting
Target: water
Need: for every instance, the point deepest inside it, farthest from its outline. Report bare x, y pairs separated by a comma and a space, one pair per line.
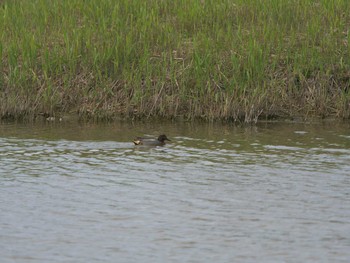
275, 192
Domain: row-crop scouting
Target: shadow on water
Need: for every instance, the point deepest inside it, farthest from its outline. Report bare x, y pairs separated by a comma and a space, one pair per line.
84, 192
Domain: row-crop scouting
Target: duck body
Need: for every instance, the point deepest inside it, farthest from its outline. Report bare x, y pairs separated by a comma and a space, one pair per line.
150, 141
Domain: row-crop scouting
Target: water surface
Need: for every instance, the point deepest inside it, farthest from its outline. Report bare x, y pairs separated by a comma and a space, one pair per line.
275, 192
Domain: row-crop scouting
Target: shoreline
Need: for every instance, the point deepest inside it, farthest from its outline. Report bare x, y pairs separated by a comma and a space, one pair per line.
75, 118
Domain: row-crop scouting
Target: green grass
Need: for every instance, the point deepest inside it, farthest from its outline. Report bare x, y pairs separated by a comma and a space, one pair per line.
235, 60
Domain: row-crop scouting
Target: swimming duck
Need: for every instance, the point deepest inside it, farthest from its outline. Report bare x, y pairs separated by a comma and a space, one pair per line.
151, 142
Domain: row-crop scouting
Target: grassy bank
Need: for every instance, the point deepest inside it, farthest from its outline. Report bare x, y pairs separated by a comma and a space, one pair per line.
195, 58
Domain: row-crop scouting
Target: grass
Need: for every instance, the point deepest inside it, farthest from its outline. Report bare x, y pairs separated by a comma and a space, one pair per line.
234, 60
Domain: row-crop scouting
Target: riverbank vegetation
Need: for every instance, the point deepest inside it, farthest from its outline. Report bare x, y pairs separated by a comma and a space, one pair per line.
233, 60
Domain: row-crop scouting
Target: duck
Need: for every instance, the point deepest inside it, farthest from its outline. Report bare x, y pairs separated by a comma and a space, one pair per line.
150, 141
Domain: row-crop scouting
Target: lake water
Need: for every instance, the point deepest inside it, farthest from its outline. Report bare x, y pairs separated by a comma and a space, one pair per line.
273, 192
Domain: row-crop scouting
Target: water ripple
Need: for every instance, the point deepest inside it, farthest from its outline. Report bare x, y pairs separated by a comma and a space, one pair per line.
229, 200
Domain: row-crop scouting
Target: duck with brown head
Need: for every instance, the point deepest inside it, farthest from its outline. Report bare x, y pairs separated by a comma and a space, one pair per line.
150, 141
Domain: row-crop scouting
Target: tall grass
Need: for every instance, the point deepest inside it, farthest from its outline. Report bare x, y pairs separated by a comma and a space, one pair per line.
237, 60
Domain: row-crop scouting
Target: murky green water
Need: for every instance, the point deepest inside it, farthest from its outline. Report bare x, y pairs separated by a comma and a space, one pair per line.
217, 193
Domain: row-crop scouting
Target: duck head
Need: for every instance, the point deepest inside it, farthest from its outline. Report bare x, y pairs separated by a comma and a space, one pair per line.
163, 138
